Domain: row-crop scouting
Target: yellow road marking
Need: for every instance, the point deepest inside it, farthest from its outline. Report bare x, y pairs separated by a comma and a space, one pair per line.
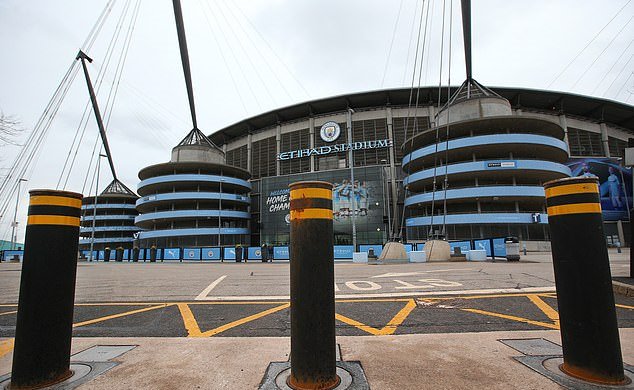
388, 329
52, 200
575, 208
119, 315
624, 306
8, 312
194, 330
512, 318
6, 346
544, 307
571, 189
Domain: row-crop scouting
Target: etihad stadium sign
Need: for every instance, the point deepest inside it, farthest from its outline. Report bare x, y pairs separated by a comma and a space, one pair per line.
338, 148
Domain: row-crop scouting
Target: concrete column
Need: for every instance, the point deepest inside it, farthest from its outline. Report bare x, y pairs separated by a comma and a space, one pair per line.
431, 112
311, 132
390, 135
563, 123
249, 151
278, 148
619, 229
604, 139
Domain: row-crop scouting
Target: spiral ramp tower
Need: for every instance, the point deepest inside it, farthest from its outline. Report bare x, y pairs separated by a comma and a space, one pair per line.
111, 216
194, 200
495, 164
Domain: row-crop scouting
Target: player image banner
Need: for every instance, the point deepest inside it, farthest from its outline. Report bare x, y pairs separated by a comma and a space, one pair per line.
363, 199
615, 184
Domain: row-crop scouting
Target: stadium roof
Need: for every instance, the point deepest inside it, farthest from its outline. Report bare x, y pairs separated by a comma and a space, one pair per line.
597, 109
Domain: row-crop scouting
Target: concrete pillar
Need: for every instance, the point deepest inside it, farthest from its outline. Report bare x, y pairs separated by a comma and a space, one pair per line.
604, 139
619, 229
249, 151
390, 135
432, 114
278, 148
563, 123
311, 132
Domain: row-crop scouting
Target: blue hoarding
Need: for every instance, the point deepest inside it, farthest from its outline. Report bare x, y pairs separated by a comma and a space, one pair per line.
377, 249
229, 253
343, 251
255, 253
463, 245
126, 254
499, 249
191, 253
408, 247
210, 253
141, 253
483, 244
172, 254
9, 255
280, 253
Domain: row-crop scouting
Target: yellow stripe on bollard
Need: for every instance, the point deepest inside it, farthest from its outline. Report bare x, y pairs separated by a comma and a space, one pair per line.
571, 189
311, 214
46, 200
575, 208
52, 220
301, 193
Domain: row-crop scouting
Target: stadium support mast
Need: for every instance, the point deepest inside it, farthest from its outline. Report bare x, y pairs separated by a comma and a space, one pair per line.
466, 33
102, 131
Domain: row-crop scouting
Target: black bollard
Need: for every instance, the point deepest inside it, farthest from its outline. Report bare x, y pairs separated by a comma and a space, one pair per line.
44, 323
135, 254
119, 254
313, 359
106, 254
153, 254
589, 331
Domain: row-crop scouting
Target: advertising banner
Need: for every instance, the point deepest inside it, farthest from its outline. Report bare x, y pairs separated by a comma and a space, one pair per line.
229, 253
343, 251
463, 245
364, 199
280, 253
615, 184
366, 248
210, 253
191, 253
255, 253
499, 249
172, 254
483, 244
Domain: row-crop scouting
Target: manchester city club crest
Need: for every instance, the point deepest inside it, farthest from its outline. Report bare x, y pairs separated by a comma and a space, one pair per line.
330, 131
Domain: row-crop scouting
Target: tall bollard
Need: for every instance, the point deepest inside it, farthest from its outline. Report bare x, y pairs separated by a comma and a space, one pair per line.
106, 254
135, 254
313, 359
153, 254
47, 290
589, 332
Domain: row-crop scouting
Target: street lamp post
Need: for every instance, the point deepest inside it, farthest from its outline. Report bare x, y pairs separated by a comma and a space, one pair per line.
14, 224
94, 211
351, 162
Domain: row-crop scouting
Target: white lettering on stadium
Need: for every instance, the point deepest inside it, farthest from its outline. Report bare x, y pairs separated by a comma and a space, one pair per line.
322, 150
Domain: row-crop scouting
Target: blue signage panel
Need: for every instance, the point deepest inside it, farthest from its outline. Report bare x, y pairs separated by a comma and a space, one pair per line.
141, 253
159, 254
408, 247
280, 253
420, 246
483, 244
343, 251
191, 253
499, 249
113, 255
126, 254
229, 253
172, 254
377, 249
255, 253
9, 255
463, 245
101, 255
210, 253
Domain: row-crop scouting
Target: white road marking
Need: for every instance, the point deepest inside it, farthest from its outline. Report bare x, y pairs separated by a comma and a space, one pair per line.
391, 295
203, 294
354, 285
396, 275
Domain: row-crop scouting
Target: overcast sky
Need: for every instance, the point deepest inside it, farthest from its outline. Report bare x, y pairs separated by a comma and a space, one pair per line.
250, 57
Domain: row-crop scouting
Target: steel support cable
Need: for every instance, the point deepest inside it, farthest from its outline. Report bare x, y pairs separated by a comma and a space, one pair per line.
114, 86
442, 48
85, 115
389, 52
588, 44
602, 51
409, 42
237, 5
618, 76
612, 67
182, 43
246, 53
624, 85
222, 55
411, 95
235, 59
429, 41
257, 49
446, 183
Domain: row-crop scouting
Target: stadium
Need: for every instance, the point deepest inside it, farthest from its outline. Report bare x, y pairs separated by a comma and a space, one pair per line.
503, 144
